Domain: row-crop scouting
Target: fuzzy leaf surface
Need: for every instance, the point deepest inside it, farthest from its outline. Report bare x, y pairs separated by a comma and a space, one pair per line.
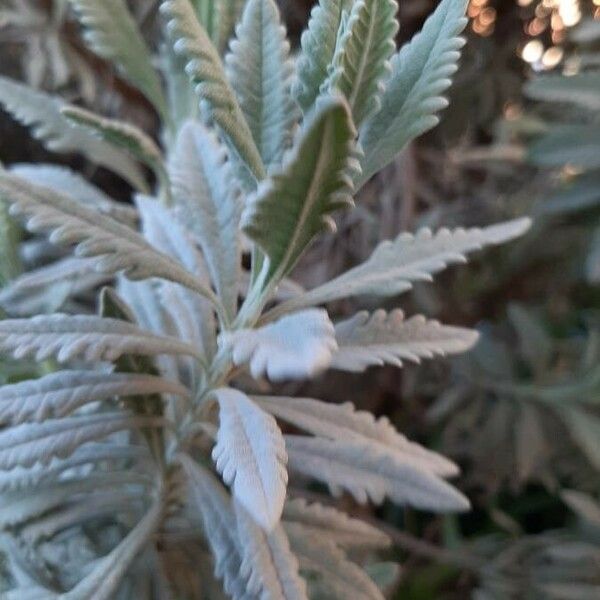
344, 423
295, 204
268, 562
209, 204
318, 50
367, 339
361, 62
206, 72
366, 473
58, 394
88, 338
42, 113
112, 33
120, 248
296, 346
260, 71
396, 264
421, 73
250, 455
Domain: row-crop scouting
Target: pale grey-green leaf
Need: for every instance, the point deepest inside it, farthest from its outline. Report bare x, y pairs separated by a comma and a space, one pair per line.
421, 73
296, 346
250, 455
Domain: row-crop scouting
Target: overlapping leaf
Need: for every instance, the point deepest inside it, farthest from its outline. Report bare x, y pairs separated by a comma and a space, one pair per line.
250, 455
206, 72
294, 347
395, 265
42, 113
295, 204
318, 49
379, 338
260, 72
209, 205
421, 73
361, 63
366, 473
120, 248
112, 33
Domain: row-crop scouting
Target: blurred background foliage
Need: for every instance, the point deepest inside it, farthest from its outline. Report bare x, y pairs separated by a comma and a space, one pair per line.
521, 412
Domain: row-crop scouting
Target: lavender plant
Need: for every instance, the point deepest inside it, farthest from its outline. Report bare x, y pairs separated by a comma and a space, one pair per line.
145, 461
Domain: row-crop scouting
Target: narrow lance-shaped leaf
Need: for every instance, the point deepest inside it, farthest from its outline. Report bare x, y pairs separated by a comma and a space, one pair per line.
120, 248
192, 315
395, 265
295, 347
112, 33
318, 49
206, 72
208, 202
29, 443
581, 88
219, 521
361, 61
365, 340
87, 338
58, 394
250, 455
295, 204
65, 181
260, 72
342, 422
333, 524
123, 135
339, 577
42, 113
421, 72
268, 562
104, 580
366, 473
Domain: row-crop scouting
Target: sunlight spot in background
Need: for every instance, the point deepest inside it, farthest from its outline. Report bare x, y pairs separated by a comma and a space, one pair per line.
545, 27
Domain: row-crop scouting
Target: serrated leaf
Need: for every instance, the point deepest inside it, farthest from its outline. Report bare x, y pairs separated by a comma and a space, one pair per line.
208, 202
361, 62
121, 135
379, 338
42, 113
582, 89
294, 347
58, 394
25, 445
83, 337
120, 248
206, 73
112, 33
21, 478
318, 43
220, 527
18, 508
294, 204
192, 315
421, 73
339, 578
395, 265
250, 455
66, 181
268, 562
367, 473
333, 524
260, 71
342, 422
104, 580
